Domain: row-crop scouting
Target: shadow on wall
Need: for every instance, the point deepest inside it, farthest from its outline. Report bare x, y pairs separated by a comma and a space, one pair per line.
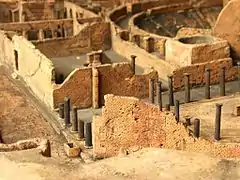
113, 79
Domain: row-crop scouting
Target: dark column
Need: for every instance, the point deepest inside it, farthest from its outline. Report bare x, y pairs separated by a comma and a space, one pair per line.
207, 83
133, 60
177, 114
151, 90
167, 107
196, 128
88, 139
218, 122
170, 90
188, 121
61, 110
67, 111
222, 82
159, 94
74, 119
238, 67
187, 87
80, 129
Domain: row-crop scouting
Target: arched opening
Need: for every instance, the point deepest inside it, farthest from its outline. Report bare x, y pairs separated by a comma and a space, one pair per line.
32, 35
59, 31
71, 15
16, 60
47, 33
65, 13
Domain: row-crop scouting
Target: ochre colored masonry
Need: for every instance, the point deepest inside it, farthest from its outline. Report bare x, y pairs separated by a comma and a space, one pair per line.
128, 123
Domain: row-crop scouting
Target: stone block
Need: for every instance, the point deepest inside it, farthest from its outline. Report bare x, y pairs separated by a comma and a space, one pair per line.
196, 49
71, 150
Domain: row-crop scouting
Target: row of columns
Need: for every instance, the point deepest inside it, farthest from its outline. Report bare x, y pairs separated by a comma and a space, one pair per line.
77, 125
187, 98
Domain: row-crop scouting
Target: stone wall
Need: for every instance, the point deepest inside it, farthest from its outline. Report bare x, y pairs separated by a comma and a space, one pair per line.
228, 28
119, 79
19, 55
113, 79
38, 11
144, 59
196, 49
81, 43
36, 69
196, 72
77, 86
36, 25
6, 51
130, 124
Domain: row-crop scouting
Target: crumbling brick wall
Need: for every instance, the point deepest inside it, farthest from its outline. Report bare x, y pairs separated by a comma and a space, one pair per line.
119, 79
77, 86
196, 72
114, 79
69, 46
130, 124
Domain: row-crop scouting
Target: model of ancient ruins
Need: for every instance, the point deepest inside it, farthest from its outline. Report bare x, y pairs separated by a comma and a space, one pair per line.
115, 77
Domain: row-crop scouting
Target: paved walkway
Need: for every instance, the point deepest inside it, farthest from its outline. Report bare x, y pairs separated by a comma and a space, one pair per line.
196, 95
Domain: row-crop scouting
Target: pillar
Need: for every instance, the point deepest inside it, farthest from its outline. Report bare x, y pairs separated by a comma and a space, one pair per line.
133, 63
159, 94
177, 114
89, 35
170, 90
24, 34
187, 87
13, 16
80, 129
167, 107
97, 58
207, 83
149, 44
40, 35
95, 90
222, 82
74, 118
88, 138
61, 110
151, 90
196, 131
218, 122
188, 121
67, 111
238, 69
90, 58
20, 11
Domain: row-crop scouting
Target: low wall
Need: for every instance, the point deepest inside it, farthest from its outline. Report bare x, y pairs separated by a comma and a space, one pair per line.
81, 43
143, 6
36, 25
118, 13
130, 124
113, 79
144, 59
35, 68
196, 72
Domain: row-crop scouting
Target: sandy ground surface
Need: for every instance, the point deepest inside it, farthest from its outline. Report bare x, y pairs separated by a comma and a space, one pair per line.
147, 164
205, 110
19, 119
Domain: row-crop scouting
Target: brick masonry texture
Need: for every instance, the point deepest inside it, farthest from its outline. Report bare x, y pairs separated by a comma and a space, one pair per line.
196, 72
78, 44
128, 123
115, 79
